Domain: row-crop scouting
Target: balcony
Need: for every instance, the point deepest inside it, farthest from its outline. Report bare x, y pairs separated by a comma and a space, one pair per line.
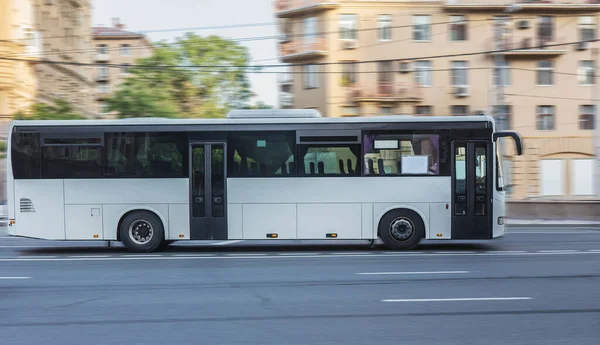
290, 8
524, 5
286, 79
302, 49
102, 57
384, 92
286, 99
528, 46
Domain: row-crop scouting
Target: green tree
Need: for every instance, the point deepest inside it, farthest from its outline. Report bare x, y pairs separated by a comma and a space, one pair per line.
162, 86
60, 110
259, 105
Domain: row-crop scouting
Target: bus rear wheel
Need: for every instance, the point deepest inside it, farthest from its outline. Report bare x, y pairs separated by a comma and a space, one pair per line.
401, 229
142, 231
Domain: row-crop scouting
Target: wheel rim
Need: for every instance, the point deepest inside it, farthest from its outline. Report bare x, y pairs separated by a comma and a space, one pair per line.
141, 232
402, 229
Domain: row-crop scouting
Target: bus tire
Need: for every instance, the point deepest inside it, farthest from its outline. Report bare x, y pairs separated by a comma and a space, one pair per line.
401, 229
142, 231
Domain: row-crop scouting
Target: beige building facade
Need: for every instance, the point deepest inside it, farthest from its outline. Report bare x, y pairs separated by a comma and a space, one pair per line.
65, 30
368, 58
19, 40
115, 46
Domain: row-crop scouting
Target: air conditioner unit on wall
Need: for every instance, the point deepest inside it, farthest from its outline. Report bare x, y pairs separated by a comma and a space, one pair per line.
523, 24
582, 46
349, 44
405, 67
461, 91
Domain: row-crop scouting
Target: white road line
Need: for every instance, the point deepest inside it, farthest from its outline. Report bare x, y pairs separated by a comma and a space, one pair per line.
265, 256
456, 299
555, 232
458, 252
22, 247
14, 278
224, 243
409, 273
142, 255
193, 255
294, 254
595, 250
350, 253
247, 254
558, 251
506, 251
38, 257
89, 256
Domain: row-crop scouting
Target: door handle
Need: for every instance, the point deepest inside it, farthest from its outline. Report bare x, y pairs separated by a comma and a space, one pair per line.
217, 199
199, 200
462, 198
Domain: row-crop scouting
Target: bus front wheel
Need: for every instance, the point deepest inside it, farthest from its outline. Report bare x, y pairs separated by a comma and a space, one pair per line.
401, 229
142, 231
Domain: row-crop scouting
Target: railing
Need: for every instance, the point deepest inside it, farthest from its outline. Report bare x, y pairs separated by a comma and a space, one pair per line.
384, 90
531, 42
302, 46
286, 99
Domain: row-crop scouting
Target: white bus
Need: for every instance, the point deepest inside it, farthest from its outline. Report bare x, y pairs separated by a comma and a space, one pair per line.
256, 175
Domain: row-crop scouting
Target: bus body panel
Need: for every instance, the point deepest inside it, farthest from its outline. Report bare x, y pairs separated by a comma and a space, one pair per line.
499, 211
40, 209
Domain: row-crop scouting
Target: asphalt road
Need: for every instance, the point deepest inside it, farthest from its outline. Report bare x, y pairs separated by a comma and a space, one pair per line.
534, 286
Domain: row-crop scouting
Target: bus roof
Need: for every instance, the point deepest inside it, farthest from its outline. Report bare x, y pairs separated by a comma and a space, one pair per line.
255, 120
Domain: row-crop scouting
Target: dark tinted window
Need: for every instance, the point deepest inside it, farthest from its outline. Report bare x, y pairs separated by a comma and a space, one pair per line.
71, 161
26, 155
159, 155
261, 154
329, 160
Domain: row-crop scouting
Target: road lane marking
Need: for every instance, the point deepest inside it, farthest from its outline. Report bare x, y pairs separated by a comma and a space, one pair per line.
457, 252
558, 251
14, 278
506, 251
554, 232
142, 255
456, 299
193, 255
595, 250
409, 273
224, 243
302, 254
247, 254
89, 256
271, 256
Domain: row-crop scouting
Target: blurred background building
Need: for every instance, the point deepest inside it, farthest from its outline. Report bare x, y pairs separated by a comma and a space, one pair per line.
115, 46
544, 91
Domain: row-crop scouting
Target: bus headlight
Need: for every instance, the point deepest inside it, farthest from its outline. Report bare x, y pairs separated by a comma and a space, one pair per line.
500, 220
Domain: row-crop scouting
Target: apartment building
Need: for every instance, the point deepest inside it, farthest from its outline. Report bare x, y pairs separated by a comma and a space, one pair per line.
115, 46
20, 40
65, 29
436, 58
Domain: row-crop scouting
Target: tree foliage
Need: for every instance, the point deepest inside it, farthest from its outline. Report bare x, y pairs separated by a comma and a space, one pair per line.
60, 110
162, 86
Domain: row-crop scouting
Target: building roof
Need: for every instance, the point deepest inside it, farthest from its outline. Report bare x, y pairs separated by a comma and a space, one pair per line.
103, 31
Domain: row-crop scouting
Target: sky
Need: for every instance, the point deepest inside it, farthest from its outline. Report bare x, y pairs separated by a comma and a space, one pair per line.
140, 15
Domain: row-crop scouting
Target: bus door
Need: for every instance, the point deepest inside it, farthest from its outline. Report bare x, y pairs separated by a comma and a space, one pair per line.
208, 204
472, 190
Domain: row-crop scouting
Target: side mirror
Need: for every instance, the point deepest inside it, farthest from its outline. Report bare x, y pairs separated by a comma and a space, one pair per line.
516, 137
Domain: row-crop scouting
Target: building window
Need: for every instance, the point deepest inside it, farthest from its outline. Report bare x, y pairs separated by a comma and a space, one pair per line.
401, 154
310, 77
103, 108
421, 28
351, 110
545, 118
125, 49
587, 115
310, 29
545, 73
504, 120
348, 27
424, 110
582, 177
125, 68
459, 110
587, 28
545, 29
386, 111
459, 73
103, 71
262, 154
423, 73
385, 78
103, 89
102, 49
551, 177
349, 75
502, 74
586, 72
384, 27
458, 28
